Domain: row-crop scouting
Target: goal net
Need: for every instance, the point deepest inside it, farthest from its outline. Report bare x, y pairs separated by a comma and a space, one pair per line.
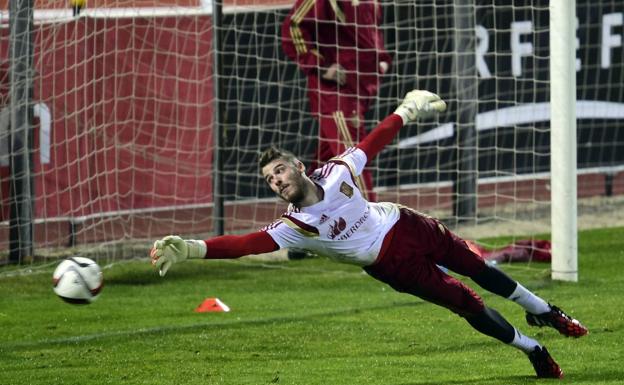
131, 102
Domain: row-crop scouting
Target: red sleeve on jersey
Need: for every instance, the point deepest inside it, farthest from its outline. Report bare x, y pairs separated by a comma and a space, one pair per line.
368, 17
234, 246
298, 34
381, 136
363, 33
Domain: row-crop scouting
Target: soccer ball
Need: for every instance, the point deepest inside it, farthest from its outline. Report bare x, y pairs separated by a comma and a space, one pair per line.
78, 280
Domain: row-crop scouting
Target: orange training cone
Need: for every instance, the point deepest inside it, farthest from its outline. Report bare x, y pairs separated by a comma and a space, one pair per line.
212, 305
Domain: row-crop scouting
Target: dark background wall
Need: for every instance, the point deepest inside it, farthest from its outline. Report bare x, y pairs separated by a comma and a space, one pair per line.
267, 101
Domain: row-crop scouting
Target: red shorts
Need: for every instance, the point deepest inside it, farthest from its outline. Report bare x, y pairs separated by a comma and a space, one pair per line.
409, 264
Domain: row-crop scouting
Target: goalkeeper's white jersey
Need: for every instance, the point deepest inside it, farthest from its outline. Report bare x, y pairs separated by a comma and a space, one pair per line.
343, 226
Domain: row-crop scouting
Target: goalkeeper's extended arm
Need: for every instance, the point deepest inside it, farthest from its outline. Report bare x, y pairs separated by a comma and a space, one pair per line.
172, 248
416, 104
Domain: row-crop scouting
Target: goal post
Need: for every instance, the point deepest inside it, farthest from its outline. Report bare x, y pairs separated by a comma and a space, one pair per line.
563, 140
20, 138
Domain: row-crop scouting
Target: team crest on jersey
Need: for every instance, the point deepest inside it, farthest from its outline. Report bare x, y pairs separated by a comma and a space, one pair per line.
323, 219
346, 189
336, 228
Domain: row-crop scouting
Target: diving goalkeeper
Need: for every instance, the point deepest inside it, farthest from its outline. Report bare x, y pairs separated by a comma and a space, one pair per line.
392, 243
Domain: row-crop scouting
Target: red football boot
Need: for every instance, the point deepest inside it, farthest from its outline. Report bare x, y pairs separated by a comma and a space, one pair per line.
544, 365
559, 320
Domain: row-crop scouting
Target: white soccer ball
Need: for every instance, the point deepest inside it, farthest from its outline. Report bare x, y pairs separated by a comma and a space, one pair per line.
78, 280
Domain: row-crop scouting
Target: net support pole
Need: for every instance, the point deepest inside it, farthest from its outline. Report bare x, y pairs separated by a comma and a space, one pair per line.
218, 212
563, 140
466, 86
21, 166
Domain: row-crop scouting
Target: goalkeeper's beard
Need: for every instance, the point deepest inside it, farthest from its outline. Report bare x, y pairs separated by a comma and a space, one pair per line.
296, 192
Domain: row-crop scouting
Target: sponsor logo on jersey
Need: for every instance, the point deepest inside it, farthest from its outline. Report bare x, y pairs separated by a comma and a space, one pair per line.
354, 227
323, 219
346, 189
336, 228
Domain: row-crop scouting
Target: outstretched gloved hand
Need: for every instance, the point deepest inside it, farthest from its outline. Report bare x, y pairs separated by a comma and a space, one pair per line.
172, 249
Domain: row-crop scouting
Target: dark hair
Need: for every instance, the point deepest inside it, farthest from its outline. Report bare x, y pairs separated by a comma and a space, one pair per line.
272, 153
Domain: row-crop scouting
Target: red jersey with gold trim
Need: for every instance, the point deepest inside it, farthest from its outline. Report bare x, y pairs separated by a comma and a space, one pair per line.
319, 33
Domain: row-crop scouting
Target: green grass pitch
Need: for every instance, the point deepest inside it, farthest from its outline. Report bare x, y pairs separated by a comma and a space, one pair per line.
300, 322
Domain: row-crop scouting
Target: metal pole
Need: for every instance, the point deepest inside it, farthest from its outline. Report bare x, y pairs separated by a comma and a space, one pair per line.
218, 213
21, 186
563, 140
466, 86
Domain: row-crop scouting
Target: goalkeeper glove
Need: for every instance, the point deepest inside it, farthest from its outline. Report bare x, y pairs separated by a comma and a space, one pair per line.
172, 249
419, 103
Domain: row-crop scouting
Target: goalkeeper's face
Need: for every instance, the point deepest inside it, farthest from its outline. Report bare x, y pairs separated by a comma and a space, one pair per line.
287, 179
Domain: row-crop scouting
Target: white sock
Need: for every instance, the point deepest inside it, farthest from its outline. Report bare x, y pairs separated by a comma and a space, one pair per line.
524, 343
529, 301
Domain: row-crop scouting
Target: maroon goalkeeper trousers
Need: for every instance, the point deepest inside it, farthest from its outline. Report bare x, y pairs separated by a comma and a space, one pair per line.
408, 263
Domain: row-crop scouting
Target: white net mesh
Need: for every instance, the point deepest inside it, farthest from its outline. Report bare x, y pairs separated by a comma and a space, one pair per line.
124, 99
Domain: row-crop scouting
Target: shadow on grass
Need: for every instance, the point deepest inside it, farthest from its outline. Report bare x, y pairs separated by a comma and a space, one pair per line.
232, 324
604, 377
477, 346
148, 275
611, 376
507, 380
225, 270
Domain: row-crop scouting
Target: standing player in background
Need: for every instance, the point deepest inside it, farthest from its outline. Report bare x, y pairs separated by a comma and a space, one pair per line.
329, 215
339, 47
